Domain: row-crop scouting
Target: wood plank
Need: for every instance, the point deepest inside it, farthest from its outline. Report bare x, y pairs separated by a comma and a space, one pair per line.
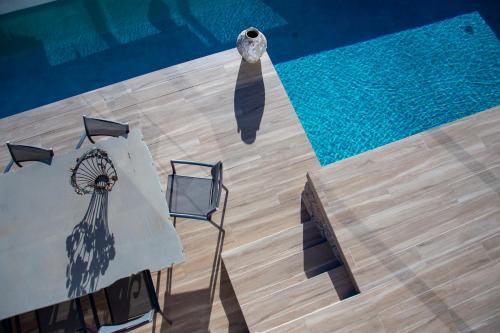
271, 248
280, 274
305, 297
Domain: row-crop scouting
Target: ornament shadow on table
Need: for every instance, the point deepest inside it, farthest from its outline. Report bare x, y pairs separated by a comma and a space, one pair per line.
251, 44
249, 100
90, 246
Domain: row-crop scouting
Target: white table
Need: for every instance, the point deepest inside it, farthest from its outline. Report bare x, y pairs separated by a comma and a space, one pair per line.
49, 253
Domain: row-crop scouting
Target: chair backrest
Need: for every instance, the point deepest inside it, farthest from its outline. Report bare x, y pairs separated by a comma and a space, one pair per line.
63, 317
129, 298
22, 153
216, 185
6, 326
103, 127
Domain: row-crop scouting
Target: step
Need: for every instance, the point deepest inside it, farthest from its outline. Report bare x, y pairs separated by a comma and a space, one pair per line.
278, 275
271, 248
298, 300
285, 276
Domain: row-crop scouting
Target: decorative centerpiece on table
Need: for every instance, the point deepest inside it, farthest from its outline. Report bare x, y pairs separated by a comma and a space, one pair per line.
93, 171
91, 246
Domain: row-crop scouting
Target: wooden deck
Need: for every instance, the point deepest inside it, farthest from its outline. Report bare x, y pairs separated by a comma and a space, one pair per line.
418, 224
193, 111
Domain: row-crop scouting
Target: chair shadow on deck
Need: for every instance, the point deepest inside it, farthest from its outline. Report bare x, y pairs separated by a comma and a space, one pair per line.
236, 320
249, 100
90, 247
191, 311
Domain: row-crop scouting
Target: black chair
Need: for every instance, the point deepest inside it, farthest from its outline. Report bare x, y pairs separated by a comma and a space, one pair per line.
64, 317
6, 326
102, 127
195, 197
23, 153
132, 302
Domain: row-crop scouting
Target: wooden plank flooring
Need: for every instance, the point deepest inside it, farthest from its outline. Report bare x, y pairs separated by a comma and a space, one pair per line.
418, 222
193, 111
285, 275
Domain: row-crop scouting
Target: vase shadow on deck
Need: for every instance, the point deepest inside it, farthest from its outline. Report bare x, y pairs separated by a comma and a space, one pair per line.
249, 100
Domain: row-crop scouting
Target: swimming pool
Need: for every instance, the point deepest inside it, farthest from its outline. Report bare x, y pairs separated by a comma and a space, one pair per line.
359, 97
359, 73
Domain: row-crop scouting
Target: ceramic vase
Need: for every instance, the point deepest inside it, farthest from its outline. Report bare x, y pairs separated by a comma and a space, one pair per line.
251, 44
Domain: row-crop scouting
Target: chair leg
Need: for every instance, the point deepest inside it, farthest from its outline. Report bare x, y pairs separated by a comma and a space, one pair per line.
80, 314
80, 142
153, 297
17, 322
9, 166
109, 307
215, 224
7, 325
38, 323
169, 321
94, 311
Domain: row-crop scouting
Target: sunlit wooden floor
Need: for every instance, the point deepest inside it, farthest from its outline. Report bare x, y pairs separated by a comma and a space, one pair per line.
418, 223
209, 109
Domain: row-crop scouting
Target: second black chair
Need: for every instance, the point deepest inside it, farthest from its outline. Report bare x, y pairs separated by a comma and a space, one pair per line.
132, 302
66, 317
102, 127
23, 153
195, 197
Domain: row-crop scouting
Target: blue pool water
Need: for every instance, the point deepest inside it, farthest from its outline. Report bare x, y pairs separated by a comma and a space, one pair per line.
359, 73
356, 98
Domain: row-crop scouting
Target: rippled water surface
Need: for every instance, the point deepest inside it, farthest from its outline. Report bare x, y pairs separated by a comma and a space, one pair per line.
356, 98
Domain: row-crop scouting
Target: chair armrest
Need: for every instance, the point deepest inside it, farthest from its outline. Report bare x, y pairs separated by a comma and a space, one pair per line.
144, 319
189, 216
173, 162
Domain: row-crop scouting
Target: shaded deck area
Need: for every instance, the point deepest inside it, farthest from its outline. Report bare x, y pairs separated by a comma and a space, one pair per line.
212, 108
417, 222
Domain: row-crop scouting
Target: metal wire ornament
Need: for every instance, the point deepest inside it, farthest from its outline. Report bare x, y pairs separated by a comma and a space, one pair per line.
91, 246
94, 171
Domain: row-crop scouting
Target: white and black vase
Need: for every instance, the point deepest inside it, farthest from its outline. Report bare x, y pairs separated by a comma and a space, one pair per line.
251, 44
